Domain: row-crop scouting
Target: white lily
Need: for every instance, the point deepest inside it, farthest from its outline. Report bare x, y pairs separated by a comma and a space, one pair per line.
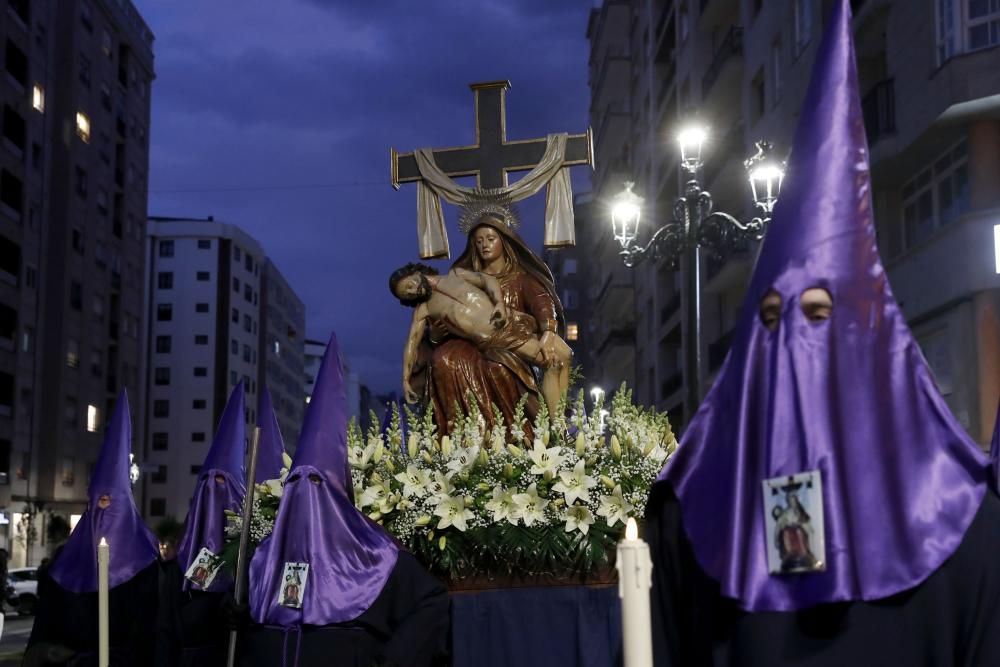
462, 459
359, 457
614, 508
544, 459
657, 454
453, 513
375, 495
503, 505
415, 480
441, 487
530, 508
275, 487
578, 517
575, 484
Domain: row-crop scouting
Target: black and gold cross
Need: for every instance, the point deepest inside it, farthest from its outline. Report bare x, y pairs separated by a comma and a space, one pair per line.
492, 157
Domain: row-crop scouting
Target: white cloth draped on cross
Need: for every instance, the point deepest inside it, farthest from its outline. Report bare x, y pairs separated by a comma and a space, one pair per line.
550, 171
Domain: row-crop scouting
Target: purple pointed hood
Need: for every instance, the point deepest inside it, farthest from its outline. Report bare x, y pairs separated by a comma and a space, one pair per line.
132, 546
221, 486
271, 445
349, 557
851, 397
995, 453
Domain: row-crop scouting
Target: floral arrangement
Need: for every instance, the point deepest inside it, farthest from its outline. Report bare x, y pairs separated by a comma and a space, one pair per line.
479, 501
490, 501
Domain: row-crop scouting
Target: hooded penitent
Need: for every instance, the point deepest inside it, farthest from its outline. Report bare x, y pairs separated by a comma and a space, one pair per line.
132, 546
349, 558
221, 486
995, 452
851, 397
271, 445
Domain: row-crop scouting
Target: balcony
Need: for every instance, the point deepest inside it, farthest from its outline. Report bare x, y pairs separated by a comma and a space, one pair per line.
879, 109
731, 45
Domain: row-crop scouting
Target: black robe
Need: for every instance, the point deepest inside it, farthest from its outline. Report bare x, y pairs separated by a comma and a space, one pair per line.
407, 625
952, 619
70, 620
192, 628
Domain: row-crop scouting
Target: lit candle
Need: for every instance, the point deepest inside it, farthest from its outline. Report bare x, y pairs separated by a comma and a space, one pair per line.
103, 556
635, 579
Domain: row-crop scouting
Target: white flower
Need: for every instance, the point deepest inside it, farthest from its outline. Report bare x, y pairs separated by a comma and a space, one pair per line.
415, 480
441, 487
359, 456
463, 459
614, 508
545, 460
530, 508
657, 454
375, 495
578, 517
503, 505
453, 513
275, 487
576, 484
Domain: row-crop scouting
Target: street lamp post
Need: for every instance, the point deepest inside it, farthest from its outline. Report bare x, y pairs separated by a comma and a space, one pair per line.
695, 225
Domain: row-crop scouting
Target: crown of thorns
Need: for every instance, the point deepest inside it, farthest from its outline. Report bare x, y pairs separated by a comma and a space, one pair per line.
482, 203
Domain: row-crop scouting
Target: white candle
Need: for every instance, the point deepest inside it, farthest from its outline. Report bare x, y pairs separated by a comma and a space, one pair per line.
103, 557
635, 579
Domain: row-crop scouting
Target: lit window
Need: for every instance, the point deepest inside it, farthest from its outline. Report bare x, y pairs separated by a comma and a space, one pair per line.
93, 419
83, 126
308, 398
277, 348
72, 353
572, 331
38, 97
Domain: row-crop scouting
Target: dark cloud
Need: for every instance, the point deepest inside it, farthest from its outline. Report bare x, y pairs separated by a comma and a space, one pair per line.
278, 117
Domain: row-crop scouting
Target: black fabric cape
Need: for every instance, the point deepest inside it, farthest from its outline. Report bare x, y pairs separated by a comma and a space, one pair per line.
191, 627
950, 620
406, 626
70, 620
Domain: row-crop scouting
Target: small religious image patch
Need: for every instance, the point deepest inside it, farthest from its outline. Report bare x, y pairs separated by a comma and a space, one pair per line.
204, 568
793, 515
293, 585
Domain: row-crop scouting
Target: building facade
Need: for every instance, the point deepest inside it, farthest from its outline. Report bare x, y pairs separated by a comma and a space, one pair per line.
75, 97
931, 101
209, 285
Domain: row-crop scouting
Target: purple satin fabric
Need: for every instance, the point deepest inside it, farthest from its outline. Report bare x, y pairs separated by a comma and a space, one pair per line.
851, 397
206, 521
995, 452
271, 445
350, 558
132, 546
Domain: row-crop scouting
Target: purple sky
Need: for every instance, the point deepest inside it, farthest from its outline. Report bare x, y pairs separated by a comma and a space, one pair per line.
278, 117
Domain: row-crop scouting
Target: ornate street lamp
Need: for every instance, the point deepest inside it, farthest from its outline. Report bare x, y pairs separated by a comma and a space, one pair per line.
695, 225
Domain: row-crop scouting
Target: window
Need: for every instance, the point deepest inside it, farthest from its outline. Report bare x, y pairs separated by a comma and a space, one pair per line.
165, 280
236, 253
233, 377
803, 24
106, 46
201, 307
93, 419
72, 353
166, 248
17, 64
572, 331
569, 267
160, 441
159, 476
236, 285
81, 182
164, 312
38, 98
83, 126
966, 25
198, 436
200, 371
984, 24
202, 276
161, 408
246, 353
248, 292
96, 364
14, 128
757, 99
163, 344
196, 470
75, 295
157, 507
204, 244
85, 71
97, 306
247, 323
236, 316
76, 240
776, 71
31, 277
198, 404
937, 196
11, 192
201, 339
161, 375
69, 412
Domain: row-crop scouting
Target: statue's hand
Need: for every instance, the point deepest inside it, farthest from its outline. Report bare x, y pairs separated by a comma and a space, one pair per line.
437, 331
549, 343
498, 318
408, 393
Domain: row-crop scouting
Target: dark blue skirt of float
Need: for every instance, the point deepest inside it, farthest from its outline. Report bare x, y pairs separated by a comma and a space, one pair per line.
543, 627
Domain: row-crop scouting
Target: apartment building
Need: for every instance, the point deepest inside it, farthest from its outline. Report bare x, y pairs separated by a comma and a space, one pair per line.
75, 98
218, 313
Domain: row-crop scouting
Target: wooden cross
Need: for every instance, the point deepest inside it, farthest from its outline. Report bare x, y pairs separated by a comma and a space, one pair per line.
492, 157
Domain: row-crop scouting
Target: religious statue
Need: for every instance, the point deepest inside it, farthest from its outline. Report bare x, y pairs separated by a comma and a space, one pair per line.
493, 316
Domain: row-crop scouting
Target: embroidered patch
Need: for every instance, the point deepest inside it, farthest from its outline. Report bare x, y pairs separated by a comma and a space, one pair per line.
793, 515
293, 585
203, 568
